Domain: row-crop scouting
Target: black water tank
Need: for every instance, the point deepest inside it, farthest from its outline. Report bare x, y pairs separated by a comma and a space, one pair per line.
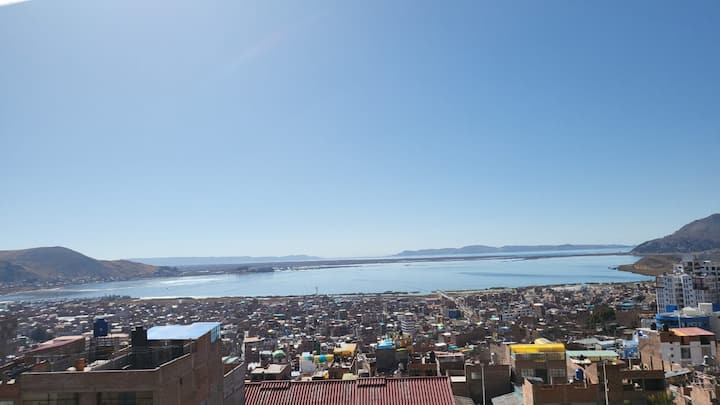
138, 337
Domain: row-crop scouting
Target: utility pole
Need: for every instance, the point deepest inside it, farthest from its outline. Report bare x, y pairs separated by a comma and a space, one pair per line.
482, 369
607, 401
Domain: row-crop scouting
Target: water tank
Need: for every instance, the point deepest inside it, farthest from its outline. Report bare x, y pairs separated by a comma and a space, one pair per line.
100, 327
138, 337
689, 311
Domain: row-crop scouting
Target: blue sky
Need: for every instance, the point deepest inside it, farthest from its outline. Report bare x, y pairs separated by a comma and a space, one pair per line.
189, 128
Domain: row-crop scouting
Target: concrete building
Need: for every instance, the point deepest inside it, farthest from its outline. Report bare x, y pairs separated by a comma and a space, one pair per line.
173, 364
407, 324
625, 385
676, 348
543, 359
272, 372
598, 376
482, 382
56, 354
691, 282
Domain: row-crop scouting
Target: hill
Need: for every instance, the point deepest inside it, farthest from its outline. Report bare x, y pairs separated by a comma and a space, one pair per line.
482, 249
652, 265
701, 235
62, 264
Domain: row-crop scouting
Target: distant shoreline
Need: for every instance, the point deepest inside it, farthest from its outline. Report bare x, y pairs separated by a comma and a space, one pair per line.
319, 264
385, 294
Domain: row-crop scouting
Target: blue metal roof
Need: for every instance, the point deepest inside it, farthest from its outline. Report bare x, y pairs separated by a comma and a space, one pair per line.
181, 332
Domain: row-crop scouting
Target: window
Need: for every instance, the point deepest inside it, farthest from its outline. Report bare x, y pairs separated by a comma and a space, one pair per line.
555, 356
684, 352
51, 398
527, 372
557, 372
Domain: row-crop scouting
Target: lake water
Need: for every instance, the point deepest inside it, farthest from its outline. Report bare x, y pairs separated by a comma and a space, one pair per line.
423, 277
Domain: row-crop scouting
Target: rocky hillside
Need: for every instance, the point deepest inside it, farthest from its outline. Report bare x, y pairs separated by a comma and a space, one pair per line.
698, 236
62, 264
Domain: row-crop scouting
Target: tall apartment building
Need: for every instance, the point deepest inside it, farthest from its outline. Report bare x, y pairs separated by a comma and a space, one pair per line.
690, 283
407, 324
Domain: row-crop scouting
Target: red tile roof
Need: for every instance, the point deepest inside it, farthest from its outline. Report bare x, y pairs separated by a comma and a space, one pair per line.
365, 391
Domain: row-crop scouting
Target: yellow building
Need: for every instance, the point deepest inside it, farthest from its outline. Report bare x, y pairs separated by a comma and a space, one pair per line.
543, 359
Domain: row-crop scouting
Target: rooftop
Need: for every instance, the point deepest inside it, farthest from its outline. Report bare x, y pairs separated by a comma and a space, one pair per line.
57, 342
591, 354
537, 348
181, 332
270, 369
390, 391
691, 332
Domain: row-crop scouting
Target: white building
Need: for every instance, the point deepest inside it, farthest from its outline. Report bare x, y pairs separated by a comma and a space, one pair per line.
513, 313
407, 324
683, 346
690, 283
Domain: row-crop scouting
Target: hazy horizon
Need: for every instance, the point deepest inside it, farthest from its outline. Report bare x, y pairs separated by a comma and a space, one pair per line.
176, 128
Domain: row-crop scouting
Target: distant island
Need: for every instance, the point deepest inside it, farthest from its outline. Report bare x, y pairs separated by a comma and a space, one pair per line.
700, 238
483, 249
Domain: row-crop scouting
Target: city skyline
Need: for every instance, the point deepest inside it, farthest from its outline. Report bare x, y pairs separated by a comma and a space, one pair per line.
343, 130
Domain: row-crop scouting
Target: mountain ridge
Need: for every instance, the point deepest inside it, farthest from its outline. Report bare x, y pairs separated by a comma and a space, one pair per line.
481, 249
701, 235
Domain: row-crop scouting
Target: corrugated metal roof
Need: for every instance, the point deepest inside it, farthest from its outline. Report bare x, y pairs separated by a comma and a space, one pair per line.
181, 332
375, 391
591, 353
691, 332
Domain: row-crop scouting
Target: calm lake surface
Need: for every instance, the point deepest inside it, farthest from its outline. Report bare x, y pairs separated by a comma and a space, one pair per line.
422, 277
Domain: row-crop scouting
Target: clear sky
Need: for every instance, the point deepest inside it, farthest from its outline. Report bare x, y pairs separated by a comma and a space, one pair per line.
140, 128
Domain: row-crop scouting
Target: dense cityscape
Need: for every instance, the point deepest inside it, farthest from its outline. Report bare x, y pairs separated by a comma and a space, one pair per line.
322, 202
612, 343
